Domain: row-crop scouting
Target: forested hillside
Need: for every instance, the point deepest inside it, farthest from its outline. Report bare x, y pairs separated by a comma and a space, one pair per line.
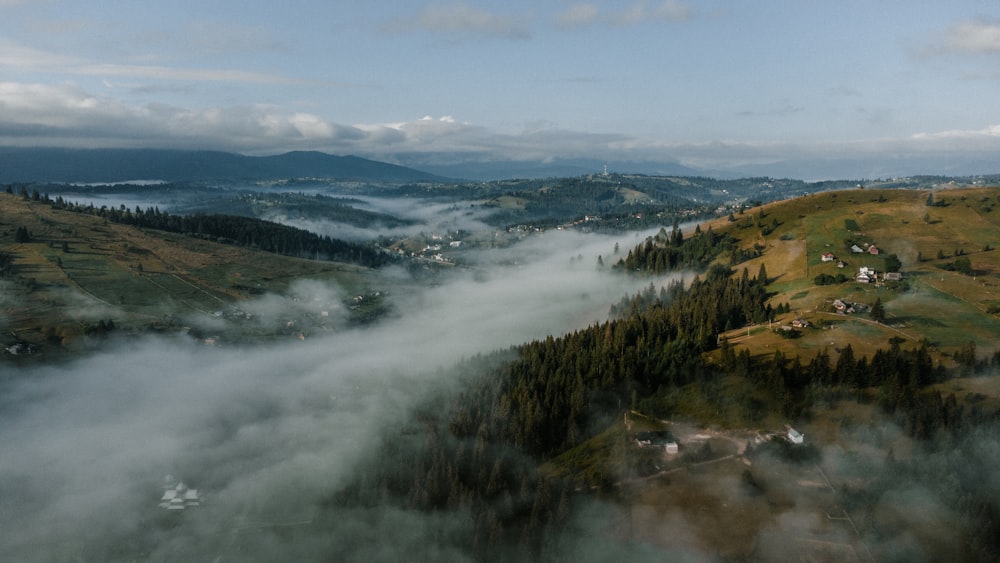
480, 449
245, 231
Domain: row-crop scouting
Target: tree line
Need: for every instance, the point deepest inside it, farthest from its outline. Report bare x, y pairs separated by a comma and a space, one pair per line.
668, 252
231, 229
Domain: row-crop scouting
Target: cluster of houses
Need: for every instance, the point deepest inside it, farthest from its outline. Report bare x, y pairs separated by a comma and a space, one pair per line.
796, 323
869, 275
830, 257
865, 274
845, 307
855, 249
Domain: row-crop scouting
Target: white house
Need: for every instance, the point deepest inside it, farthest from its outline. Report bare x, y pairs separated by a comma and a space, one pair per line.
865, 275
795, 437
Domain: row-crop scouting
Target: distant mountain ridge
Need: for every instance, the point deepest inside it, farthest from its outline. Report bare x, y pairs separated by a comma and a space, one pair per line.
120, 165
488, 170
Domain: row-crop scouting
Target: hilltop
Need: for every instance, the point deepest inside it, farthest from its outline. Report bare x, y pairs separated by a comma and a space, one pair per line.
924, 235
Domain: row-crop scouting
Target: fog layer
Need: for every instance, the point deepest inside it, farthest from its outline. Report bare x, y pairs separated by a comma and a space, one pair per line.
263, 433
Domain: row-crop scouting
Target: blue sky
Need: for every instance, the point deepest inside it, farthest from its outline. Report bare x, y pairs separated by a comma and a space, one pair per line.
714, 84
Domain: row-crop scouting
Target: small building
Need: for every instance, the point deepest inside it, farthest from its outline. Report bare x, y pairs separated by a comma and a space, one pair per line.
828, 257
661, 438
800, 323
795, 437
857, 249
177, 495
873, 250
893, 276
865, 275
839, 305
840, 264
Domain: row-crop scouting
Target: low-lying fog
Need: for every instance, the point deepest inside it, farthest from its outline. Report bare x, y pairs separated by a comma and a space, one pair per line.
263, 433
425, 215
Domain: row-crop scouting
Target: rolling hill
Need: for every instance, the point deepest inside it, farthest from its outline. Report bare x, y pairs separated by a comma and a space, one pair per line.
76, 271
932, 301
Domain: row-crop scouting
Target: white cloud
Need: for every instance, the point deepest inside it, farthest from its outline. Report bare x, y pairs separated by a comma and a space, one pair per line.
460, 19
69, 115
39, 115
990, 132
311, 126
973, 36
979, 36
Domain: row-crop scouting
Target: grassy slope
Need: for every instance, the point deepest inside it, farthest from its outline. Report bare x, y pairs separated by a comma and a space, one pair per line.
78, 268
947, 308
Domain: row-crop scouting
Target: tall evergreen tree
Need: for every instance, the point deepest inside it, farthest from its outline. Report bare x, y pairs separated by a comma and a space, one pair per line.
878, 311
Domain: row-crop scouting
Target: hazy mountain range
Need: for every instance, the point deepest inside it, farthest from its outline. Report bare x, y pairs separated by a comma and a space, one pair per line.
120, 165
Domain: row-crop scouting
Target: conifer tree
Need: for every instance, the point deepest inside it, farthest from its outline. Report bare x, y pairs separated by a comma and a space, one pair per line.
762, 274
878, 311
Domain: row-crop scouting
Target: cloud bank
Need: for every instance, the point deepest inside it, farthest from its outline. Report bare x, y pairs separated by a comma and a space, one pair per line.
33, 114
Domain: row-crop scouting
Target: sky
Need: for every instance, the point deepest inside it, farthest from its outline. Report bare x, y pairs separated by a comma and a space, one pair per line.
709, 84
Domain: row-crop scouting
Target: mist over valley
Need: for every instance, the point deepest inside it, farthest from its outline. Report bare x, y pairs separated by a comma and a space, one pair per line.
566, 368
655, 280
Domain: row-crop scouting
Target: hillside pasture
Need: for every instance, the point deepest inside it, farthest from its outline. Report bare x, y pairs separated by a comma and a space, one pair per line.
946, 308
78, 269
